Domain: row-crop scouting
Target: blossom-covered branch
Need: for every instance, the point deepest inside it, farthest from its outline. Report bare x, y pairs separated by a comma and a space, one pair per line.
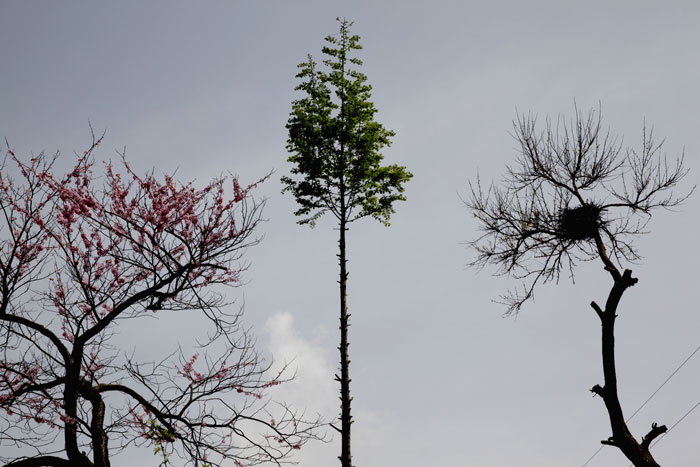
77, 258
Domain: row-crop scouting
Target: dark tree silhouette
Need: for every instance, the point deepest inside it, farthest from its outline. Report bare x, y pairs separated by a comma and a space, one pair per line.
335, 144
575, 194
77, 259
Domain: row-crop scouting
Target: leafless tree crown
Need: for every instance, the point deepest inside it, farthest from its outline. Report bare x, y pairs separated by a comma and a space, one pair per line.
574, 193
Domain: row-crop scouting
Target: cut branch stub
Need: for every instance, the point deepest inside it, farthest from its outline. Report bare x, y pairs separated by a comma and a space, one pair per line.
609, 442
597, 389
655, 432
580, 223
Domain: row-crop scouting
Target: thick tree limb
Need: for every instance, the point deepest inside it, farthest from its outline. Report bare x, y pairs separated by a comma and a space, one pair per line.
41, 330
597, 309
41, 461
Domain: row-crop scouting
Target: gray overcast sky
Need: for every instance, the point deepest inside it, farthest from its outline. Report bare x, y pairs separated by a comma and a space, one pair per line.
439, 377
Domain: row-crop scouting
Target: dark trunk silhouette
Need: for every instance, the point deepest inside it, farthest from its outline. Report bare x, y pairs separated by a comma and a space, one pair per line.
638, 453
573, 192
345, 416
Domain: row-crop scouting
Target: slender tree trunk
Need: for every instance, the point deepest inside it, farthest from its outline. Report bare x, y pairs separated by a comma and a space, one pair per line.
345, 416
638, 453
345, 399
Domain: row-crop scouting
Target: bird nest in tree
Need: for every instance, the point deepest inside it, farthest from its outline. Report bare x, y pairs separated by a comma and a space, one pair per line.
580, 223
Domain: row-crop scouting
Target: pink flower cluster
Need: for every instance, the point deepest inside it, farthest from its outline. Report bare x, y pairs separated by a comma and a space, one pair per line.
188, 371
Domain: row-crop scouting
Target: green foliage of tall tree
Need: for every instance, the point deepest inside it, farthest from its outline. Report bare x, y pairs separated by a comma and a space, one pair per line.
335, 144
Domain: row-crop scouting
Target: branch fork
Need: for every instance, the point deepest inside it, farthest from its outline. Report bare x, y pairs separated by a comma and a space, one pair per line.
654, 433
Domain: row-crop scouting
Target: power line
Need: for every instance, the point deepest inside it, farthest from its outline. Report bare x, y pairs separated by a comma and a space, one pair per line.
647, 401
679, 420
663, 384
673, 426
594, 454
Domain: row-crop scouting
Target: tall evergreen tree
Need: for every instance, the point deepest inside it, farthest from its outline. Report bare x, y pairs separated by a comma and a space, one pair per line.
335, 144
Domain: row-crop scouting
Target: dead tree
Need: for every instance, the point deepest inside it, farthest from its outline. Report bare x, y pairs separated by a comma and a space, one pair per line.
576, 194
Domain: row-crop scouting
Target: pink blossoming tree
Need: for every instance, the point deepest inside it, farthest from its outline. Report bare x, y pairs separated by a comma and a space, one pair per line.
77, 258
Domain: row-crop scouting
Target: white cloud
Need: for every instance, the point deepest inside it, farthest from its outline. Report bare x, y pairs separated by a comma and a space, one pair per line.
313, 388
